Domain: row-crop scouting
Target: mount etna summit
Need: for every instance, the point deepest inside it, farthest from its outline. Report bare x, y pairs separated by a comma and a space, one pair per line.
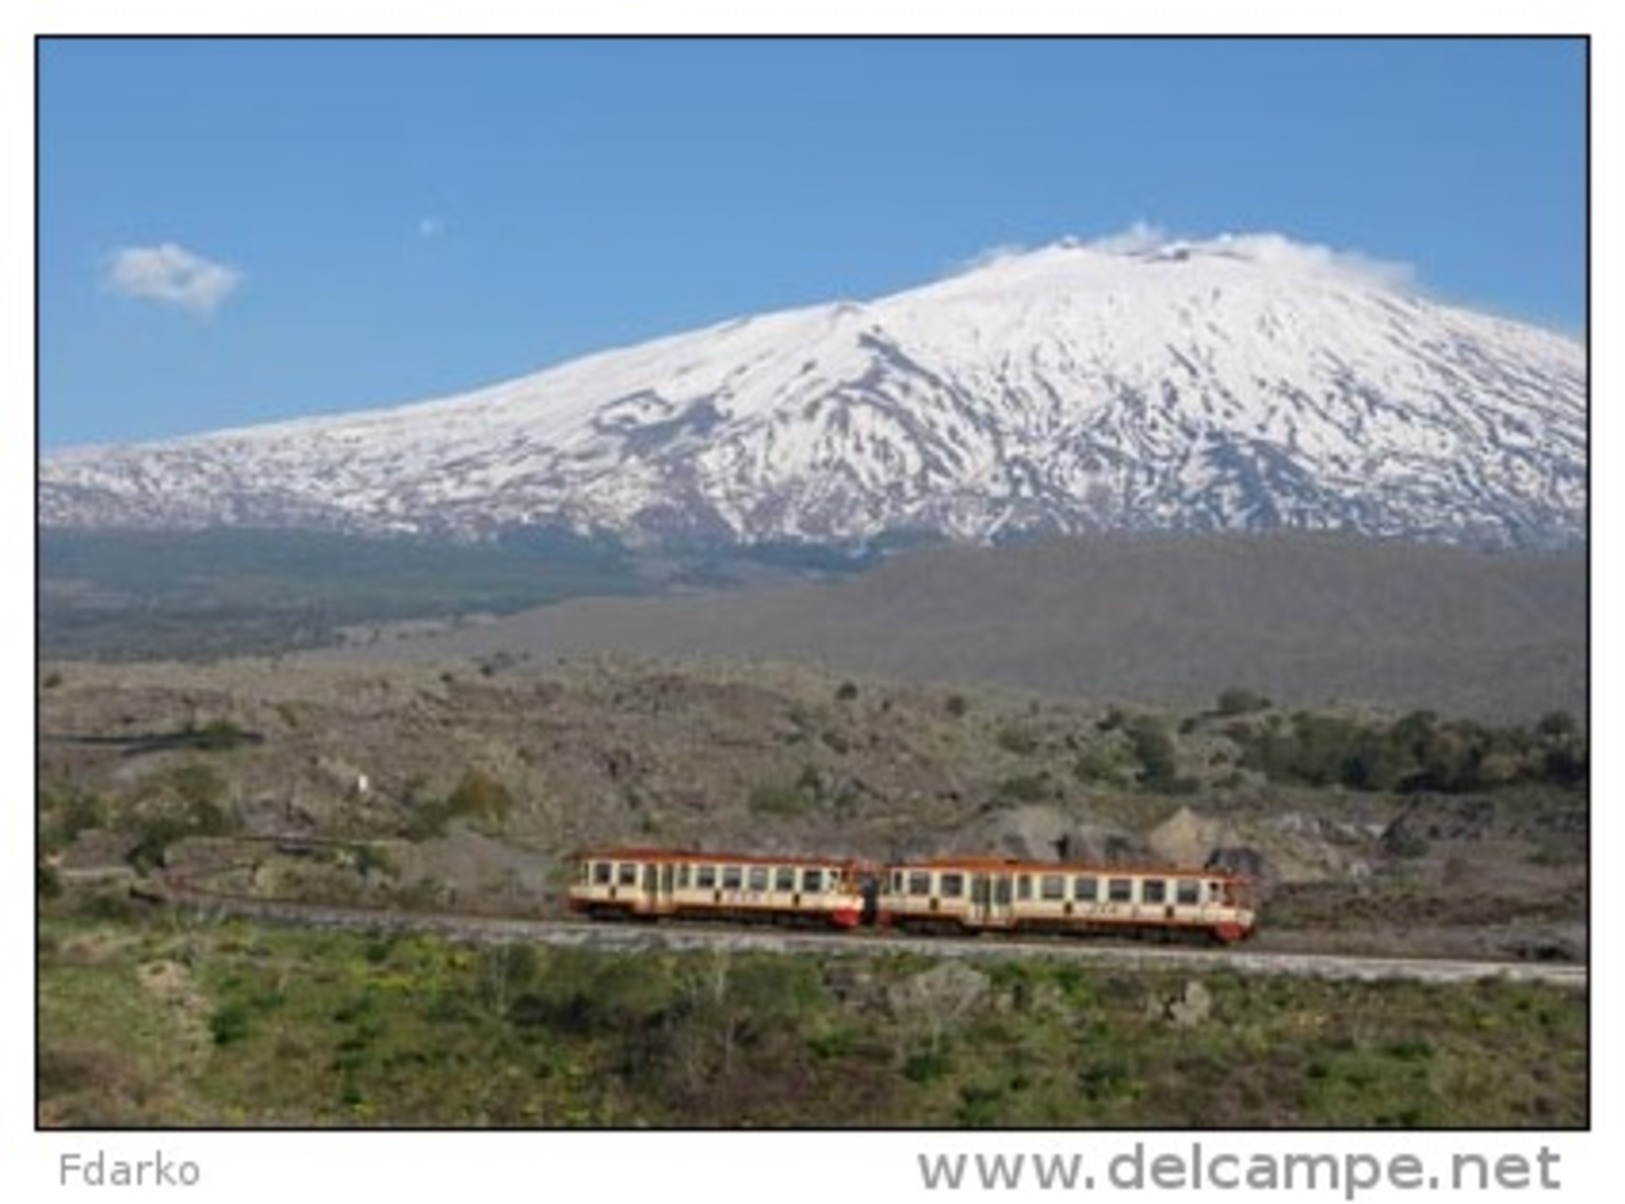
1238, 383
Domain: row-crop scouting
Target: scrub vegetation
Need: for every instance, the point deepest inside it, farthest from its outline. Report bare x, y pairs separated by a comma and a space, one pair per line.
151, 1019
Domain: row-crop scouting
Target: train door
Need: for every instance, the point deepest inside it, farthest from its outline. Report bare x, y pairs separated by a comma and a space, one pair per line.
991, 896
869, 887
657, 887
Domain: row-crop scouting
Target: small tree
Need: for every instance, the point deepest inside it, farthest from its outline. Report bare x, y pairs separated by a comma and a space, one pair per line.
1155, 750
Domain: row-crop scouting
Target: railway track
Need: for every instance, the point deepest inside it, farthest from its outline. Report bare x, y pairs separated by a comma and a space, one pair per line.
680, 936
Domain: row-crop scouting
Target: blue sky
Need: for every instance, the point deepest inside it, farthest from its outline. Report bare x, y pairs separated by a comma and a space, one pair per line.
238, 231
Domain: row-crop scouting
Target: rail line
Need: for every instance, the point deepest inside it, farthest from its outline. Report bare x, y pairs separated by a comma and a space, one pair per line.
494, 929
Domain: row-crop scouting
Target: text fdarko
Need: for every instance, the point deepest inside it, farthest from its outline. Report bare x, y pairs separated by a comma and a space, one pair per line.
103, 1170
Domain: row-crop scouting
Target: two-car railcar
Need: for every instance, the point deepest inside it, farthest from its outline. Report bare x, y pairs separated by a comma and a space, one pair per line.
946, 894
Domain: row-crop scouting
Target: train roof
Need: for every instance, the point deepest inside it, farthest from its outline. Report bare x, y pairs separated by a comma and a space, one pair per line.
1004, 865
970, 863
715, 857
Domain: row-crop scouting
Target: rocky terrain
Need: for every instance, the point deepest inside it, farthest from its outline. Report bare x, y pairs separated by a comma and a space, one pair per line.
464, 784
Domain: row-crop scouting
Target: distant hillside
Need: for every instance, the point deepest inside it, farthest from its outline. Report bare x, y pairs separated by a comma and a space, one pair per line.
1304, 619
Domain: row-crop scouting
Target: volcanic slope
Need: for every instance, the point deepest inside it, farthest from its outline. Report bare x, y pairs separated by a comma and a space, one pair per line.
1308, 619
1238, 383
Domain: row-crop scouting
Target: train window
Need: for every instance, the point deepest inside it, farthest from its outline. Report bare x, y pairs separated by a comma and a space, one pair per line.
682, 876
732, 876
757, 877
1052, 886
812, 880
705, 876
897, 882
1085, 890
1024, 886
784, 878
1153, 890
1120, 890
600, 873
626, 874
1188, 891
919, 882
953, 885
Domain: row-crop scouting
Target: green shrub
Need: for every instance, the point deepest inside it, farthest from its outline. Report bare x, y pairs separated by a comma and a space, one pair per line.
1557, 725
218, 735
1239, 701
480, 796
1154, 749
1024, 788
1017, 740
926, 1066
197, 786
47, 882
69, 814
779, 798
229, 1024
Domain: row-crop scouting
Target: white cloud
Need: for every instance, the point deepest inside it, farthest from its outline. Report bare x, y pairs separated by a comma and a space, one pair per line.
172, 275
1148, 240
1140, 237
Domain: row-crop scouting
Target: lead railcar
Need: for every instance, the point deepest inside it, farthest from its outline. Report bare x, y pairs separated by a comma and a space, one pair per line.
975, 894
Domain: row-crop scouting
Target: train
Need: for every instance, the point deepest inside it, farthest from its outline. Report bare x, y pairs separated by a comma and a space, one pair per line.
964, 895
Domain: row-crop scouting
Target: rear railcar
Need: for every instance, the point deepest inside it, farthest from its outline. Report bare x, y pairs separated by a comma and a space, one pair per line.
633, 883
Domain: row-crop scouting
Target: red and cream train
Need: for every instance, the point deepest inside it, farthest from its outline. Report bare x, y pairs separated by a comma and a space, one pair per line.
943, 894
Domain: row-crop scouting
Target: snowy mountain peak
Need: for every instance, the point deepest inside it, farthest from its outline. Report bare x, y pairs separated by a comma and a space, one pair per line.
1137, 382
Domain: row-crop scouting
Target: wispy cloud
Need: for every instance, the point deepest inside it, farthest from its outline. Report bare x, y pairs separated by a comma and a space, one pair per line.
1144, 239
1140, 237
431, 226
172, 275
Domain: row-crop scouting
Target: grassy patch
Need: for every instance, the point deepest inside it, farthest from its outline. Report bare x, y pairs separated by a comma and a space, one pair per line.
166, 1023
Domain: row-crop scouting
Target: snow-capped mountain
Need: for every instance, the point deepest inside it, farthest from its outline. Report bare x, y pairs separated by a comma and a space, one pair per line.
1235, 383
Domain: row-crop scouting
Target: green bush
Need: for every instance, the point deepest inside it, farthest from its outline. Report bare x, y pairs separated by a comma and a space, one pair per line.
218, 735
1017, 740
1417, 752
47, 882
229, 1024
1023, 788
67, 815
479, 795
1239, 701
780, 798
1154, 749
